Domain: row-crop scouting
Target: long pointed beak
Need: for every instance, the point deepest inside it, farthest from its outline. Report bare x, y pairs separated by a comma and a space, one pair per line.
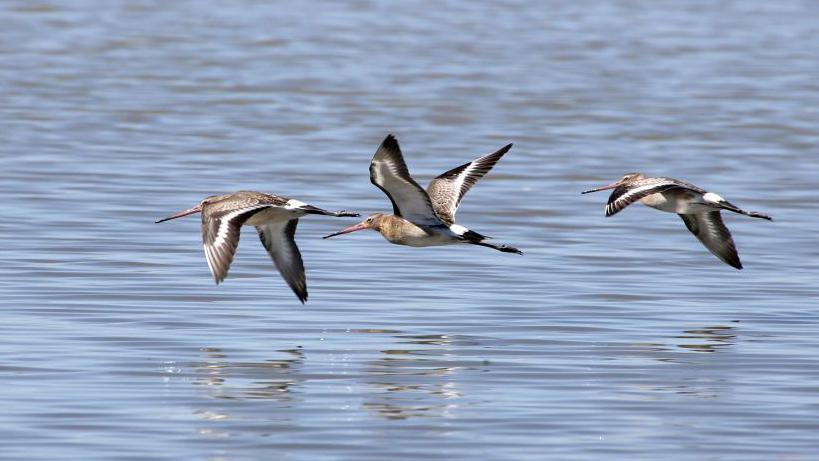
357, 227
193, 210
610, 186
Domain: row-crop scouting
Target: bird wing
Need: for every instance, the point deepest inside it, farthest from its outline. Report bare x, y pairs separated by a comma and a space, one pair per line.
278, 238
389, 172
448, 189
623, 196
220, 235
711, 231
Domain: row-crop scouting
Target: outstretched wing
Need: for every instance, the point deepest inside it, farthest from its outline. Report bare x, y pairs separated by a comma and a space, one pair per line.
220, 236
711, 231
278, 239
448, 189
623, 196
390, 174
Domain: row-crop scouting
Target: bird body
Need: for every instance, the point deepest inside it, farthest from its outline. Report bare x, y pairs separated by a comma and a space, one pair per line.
698, 208
400, 231
275, 219
423, 218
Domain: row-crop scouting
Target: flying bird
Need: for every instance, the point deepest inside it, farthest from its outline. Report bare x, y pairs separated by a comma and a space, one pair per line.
275, 219
699, 209
421, 217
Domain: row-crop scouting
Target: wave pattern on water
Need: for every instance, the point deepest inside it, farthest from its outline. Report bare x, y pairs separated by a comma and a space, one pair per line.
615, 338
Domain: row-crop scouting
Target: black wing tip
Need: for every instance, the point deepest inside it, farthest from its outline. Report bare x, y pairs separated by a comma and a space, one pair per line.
388, 148
301, 294
495, 156
219, 279
730, 257
487, 161
390, 143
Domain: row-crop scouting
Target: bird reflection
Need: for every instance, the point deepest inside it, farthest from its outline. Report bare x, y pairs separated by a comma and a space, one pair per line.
707, 339
270, 379
414, 381
701, 384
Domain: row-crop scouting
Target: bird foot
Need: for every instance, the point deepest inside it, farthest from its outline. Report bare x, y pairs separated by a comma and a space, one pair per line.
755, 214
508, 249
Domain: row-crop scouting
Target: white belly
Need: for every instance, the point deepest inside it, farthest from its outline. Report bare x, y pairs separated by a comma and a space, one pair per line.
418, 237
273, 213
676, 203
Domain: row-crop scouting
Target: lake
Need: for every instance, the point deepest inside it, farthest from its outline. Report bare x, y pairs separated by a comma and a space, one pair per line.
611, 338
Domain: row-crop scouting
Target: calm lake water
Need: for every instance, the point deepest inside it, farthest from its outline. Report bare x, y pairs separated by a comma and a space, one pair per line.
618, 338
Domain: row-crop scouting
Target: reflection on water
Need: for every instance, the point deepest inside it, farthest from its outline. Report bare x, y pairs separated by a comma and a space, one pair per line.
270, 379
418, 380
413, 381
610, 339
703, 380
712, 338
708, 339
700, 389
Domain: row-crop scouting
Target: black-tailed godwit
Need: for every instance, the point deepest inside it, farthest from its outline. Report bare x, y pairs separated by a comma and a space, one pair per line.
698, 208
424, 218
275, 219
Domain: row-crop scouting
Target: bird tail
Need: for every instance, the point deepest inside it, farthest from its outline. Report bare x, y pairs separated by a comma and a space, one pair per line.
503, 248
310, 209
754, 214
473, 236
470, 236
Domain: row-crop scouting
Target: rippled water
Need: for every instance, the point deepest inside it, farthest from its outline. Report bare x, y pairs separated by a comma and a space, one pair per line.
616, 338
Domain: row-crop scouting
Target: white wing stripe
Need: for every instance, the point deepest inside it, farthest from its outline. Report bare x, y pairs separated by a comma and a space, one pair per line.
459, 181
448, 189
388, 171
225, 222
209, 259
219, 251
625, 199
636, 190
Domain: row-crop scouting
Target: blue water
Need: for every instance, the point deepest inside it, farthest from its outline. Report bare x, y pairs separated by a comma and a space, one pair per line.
612, 338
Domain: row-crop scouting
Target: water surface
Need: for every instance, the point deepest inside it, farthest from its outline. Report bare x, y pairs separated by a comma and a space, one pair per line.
616, 338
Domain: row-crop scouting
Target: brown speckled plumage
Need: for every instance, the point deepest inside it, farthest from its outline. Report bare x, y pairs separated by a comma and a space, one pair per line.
699, 209
275, 219
424, 217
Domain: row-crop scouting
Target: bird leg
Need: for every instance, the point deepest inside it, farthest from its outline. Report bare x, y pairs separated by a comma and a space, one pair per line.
345, 213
